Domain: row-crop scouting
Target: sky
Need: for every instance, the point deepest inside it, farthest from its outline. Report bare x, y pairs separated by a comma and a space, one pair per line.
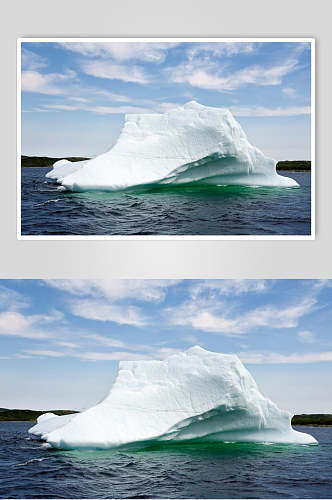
61, 340
75, 94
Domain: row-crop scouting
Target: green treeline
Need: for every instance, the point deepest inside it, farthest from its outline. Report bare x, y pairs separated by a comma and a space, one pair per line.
312, 419
47, 162
32, 415
28, 415
299, 166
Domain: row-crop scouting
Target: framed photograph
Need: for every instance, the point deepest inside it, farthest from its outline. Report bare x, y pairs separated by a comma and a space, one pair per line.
165, 388
207, 138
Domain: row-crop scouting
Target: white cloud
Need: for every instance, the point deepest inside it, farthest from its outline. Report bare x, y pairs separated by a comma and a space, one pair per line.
98, 298
113, 96
44, 352
105, 110
206, 316
39, 110
218, 49
160, 353
102, 310
230, 286
32, 61
289, 92
16, 324
164, 352
319, 285
306, 336
79, 99
122, 51
276, 358
191, 339
209, 75
263, 111
62, 107
151, 350
139, 289
10, 299
106, 341
162, 107
112, 71
112, 356
70, 345
152, 106
51, 83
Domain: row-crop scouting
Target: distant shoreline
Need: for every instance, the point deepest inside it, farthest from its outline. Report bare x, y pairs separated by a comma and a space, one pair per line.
47, 162
15, 415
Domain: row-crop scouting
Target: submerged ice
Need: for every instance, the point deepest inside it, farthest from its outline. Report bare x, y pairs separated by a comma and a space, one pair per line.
193, 395
190, 143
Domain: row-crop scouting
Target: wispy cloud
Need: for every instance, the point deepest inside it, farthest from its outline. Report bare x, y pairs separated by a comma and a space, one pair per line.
263, 111
230, 287
32, 61
101, 310
44, 352
155, 353
306, 336
289, 92
99, 299
142, 290
106, 341
13, 323
11, 299
218, 49
207, 75
62, 107
51, 83
113, 71
263, 358
112, 356
206, 316
78, 99
69, 345
153, 52
112, 96
111, 110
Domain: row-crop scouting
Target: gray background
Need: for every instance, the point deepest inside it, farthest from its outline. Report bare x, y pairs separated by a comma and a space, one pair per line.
213, 18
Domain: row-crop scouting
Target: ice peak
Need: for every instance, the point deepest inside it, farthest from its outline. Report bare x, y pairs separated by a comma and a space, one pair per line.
193, 105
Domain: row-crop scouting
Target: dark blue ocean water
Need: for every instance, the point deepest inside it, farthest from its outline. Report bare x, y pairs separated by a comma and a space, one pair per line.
29, 470
177, 210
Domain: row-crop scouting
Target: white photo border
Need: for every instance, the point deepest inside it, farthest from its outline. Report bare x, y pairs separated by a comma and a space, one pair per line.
312, 235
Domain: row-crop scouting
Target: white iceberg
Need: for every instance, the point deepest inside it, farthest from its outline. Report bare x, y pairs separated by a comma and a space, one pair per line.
192, 395
190, 143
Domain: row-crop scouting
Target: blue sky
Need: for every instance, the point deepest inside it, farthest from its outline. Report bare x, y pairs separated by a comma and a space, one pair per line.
61, 339
75, 95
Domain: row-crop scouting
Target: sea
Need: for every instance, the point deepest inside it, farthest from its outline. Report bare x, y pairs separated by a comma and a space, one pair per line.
46, 209
30, 469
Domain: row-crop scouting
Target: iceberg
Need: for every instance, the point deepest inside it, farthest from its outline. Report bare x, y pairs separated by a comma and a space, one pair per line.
188, 144
192, 395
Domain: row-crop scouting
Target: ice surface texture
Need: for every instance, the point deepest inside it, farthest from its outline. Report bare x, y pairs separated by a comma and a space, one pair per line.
193, 395
190, 143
